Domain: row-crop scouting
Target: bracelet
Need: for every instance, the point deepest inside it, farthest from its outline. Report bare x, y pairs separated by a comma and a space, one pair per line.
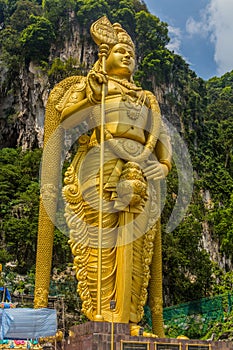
166, 162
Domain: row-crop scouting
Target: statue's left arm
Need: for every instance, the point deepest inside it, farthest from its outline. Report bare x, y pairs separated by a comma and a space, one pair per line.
163, 150
158, 142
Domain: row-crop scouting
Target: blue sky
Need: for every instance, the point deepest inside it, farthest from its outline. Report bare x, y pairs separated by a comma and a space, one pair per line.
201, 31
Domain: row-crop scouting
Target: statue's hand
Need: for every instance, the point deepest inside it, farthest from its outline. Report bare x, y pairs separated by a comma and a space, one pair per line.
96, 81
155, 170
143, 156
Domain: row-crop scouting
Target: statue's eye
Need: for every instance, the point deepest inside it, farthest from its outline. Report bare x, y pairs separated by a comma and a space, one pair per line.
121, 51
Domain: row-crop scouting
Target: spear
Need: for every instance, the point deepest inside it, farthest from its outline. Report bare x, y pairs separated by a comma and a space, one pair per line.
104, 35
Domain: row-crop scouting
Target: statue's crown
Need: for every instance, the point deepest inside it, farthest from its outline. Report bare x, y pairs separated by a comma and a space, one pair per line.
122, 35
103, 32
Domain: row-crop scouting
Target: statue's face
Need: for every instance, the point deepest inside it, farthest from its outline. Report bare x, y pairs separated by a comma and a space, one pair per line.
121, 61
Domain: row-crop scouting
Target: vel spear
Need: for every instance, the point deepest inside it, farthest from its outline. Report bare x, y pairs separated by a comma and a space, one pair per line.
104, 36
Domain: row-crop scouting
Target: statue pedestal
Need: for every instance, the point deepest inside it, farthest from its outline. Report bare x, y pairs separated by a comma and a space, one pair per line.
98, 336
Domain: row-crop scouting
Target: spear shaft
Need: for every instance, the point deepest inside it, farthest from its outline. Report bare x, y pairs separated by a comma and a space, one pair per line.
98, 317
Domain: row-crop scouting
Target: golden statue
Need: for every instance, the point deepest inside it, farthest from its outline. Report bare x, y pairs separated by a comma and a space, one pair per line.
112, 187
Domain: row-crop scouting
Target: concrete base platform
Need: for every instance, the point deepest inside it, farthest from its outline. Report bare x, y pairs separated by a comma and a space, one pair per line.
99, 336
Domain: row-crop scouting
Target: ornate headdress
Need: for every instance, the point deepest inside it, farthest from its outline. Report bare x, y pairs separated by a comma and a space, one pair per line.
103, 32
122, 36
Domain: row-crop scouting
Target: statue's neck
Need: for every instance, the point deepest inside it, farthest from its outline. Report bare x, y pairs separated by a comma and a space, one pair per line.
124, 82
120, 78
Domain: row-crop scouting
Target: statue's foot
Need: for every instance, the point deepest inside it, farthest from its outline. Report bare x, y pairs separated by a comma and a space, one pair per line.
149, 335
136, 330
182, 337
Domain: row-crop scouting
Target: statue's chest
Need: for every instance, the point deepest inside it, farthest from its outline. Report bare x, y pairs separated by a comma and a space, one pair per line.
125, 106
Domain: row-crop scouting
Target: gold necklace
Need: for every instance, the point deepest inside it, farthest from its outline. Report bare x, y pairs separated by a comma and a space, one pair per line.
126, 83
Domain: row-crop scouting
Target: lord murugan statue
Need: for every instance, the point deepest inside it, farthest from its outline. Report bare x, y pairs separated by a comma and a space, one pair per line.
112, 187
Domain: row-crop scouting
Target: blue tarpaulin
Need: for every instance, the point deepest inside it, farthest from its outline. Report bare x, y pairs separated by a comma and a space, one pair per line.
27, 323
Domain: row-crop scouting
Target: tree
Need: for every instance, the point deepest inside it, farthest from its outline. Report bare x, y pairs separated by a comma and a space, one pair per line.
57, 12
2, 11
151, 34
126, 17
187, 268
91, 10
155, 68
7, 8
134, 5
19, 196
19, 210
20, 19
36, 38
223, 226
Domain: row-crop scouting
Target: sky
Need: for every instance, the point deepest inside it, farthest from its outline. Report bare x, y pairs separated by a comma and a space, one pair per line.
201, 31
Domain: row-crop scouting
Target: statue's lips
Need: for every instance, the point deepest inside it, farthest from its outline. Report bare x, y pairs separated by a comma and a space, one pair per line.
126, 62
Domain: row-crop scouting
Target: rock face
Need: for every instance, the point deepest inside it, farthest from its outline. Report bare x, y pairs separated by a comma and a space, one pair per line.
22, 110
32, 98
212, 246
23, 99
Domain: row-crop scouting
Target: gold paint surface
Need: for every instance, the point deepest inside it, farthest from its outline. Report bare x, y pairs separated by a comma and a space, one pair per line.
137, 154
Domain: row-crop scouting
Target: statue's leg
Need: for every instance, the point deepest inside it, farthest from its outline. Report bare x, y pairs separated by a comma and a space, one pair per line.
124, 262
137, 280
87, 277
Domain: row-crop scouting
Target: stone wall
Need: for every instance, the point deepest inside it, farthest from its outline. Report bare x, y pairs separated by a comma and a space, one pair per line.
99, 336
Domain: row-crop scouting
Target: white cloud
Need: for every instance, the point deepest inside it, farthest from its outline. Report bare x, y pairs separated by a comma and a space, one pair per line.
175, 39
193, 27
216, 24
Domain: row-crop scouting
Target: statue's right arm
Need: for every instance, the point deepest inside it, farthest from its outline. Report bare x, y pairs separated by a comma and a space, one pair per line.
75, 114
71, 115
